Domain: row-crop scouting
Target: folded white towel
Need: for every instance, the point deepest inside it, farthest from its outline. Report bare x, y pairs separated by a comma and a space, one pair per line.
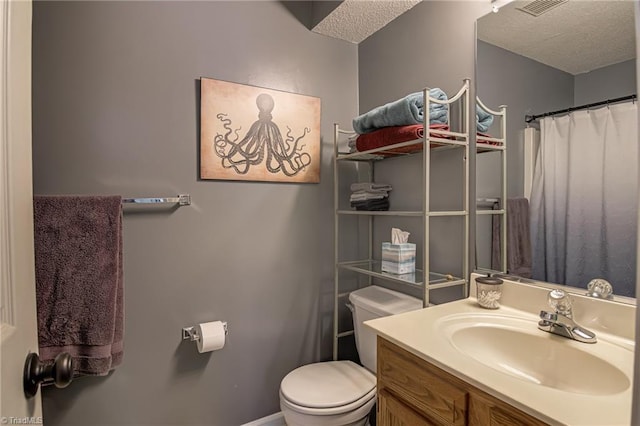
371, 192
363, 196
370, 186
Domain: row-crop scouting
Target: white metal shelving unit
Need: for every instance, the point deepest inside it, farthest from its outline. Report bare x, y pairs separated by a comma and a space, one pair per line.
491, 144
435, 139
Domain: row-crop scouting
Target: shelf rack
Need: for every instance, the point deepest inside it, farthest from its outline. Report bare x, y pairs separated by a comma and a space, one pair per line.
489, 144
433, 140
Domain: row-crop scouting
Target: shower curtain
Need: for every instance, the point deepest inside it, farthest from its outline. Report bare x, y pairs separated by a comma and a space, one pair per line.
584, 198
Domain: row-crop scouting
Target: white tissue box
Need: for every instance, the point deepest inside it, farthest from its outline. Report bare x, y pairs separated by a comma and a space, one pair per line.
398, 258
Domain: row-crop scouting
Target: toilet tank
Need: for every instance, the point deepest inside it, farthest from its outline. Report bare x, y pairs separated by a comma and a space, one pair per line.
375, 302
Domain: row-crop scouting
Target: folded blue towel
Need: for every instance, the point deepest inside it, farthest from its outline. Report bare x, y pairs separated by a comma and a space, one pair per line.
403, 112
483, 119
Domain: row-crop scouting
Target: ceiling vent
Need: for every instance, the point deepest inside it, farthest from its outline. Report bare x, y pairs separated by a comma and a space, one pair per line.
538, 7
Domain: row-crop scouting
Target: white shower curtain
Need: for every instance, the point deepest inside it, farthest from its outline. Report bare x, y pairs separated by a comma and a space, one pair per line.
584, 198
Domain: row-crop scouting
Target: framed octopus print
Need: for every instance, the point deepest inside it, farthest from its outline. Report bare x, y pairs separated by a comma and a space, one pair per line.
251, 133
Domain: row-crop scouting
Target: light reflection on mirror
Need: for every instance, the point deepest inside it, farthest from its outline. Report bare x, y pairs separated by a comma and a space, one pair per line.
577, 53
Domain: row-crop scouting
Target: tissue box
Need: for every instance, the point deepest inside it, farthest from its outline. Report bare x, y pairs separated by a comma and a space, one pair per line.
398, 258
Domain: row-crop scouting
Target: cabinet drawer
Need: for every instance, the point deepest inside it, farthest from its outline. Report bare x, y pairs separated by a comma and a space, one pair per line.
426, 388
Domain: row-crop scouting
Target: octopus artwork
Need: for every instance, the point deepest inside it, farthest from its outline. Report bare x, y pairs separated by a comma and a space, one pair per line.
263, 143
281, 144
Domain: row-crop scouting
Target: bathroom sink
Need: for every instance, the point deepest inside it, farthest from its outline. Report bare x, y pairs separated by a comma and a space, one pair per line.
516, 347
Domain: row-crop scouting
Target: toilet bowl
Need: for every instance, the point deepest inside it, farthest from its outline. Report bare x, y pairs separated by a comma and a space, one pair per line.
328, 393
343, 393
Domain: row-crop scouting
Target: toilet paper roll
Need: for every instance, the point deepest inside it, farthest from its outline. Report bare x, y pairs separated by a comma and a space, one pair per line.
211, 335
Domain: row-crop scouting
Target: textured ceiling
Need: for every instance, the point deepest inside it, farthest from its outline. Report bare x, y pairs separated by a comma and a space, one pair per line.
576, 37
355, 20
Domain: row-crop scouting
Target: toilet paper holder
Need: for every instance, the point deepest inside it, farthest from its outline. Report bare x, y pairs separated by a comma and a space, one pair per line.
190, 333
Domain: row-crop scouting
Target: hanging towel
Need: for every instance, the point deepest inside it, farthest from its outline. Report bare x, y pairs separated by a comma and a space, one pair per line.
79, 288
518, 239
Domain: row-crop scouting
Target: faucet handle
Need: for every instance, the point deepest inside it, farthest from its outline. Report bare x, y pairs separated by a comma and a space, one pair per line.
600, 288
560, 302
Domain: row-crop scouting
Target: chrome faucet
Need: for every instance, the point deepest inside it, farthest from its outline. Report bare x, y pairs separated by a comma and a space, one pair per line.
561, 322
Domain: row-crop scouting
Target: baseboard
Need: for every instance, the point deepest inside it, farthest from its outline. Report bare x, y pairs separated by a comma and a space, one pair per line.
276, 419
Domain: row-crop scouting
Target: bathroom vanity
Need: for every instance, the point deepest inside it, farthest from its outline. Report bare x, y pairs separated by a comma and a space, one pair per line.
460, 364
412, 392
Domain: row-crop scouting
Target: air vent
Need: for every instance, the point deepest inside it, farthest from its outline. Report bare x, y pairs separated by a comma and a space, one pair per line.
538, 7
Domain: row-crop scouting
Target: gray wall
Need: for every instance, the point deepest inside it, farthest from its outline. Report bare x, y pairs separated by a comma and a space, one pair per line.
432, 45
526, 87
115, 110
609, 82
322, 9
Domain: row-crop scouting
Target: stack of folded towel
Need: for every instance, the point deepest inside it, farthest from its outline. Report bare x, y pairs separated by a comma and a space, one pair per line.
402, 112
484, 119
352, 143
398, 121
370, 196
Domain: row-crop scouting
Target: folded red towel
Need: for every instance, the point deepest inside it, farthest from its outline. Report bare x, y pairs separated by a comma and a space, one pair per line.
483, 138
398, 134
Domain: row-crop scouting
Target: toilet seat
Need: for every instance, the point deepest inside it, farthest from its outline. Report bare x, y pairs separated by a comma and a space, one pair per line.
328, 388
329, 411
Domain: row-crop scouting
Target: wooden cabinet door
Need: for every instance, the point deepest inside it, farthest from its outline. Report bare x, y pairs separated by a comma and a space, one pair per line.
392, 412
487, 410
425, 387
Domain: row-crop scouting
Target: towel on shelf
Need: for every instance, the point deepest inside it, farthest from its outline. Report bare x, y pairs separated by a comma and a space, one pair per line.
483, 138
370, 186
402, 112
368, 195
483, 119
351, 143
518, 239
348, 145
79, 280
398, 134
372, 205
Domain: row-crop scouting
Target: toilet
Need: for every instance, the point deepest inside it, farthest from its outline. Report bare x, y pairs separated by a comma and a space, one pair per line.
342, 393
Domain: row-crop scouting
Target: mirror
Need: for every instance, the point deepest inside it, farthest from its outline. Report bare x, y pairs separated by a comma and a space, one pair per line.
572, 54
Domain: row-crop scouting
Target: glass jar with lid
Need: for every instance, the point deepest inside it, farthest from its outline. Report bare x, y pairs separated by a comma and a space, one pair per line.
489, 291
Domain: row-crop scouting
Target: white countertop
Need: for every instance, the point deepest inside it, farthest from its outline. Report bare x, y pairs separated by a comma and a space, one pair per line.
418, 332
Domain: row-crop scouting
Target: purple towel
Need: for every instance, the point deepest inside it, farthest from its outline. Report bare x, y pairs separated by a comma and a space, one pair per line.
518, 239
79, 288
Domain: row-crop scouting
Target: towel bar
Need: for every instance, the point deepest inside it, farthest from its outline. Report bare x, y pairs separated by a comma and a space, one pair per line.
182, 199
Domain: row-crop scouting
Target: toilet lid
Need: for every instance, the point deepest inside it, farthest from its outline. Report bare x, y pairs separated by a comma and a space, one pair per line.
327, 384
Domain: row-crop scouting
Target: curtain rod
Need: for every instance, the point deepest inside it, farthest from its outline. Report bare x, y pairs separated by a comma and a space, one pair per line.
530, 118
